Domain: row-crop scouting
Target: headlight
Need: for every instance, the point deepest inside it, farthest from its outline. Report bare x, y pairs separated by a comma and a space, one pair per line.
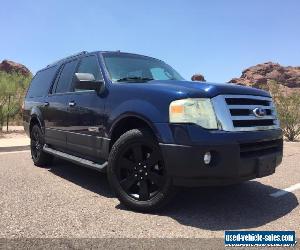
197, 110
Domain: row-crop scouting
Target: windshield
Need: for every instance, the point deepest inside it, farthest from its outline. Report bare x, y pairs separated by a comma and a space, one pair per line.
135, 68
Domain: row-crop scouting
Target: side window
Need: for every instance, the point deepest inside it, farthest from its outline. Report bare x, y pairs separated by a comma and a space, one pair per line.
41, 82
65, 79
90, 65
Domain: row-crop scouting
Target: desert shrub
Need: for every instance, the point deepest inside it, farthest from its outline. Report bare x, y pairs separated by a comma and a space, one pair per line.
288, 109
12, 89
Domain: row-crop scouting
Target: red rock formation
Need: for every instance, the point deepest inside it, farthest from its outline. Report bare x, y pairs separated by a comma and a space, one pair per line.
10, 67
198, 77
261, 74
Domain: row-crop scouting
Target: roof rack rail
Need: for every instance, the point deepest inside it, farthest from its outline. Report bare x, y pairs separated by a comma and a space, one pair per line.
68, 57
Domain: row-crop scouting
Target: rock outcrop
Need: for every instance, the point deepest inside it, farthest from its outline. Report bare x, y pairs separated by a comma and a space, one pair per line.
198, 77
11, 67
261, 74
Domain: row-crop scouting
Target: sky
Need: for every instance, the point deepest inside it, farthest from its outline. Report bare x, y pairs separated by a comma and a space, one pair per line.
216, 38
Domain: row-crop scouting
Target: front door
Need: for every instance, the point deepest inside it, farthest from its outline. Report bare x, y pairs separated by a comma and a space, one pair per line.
86, 115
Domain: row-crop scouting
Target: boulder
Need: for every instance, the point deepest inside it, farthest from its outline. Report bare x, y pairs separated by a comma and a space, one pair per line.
11, 67
261, 74
198, 77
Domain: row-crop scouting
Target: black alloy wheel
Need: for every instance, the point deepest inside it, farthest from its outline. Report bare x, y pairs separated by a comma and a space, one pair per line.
137, 173
140, 171
37, 141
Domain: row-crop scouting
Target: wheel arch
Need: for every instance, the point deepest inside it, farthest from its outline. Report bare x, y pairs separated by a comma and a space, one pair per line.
34, 119
130, 121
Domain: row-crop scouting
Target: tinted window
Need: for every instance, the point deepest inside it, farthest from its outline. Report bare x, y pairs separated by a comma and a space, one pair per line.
90, 65
65, 78
41, 82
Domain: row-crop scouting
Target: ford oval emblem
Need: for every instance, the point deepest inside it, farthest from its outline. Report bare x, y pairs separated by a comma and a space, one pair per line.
259, 112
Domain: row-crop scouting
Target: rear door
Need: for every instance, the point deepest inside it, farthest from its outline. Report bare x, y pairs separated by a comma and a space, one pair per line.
86, 114
57, 110
36, 97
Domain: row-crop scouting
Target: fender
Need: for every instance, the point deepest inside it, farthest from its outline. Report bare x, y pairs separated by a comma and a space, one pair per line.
134, 115
133, 108
37, 114
137, 106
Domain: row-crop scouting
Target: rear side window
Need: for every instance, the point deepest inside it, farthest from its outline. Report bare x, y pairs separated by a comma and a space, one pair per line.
41, 82
65, 79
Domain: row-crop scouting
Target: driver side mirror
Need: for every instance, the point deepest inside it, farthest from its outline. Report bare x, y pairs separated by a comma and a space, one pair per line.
86, 81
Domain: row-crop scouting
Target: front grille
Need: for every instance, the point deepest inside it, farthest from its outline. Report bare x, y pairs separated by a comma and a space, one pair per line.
260, 148
239, 112
246, 101
251, 123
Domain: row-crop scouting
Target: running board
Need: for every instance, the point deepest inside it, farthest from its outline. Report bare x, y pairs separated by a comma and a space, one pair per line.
75, 159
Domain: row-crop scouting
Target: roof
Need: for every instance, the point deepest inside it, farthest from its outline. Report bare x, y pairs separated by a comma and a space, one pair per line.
86, 53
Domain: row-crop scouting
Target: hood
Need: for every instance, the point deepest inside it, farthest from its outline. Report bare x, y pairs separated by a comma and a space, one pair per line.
205, 89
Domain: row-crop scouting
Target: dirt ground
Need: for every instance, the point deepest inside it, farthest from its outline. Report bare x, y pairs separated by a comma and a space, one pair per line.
13, 132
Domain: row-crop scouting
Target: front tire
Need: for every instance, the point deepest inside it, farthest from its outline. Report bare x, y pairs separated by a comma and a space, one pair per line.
37, 141
137, 173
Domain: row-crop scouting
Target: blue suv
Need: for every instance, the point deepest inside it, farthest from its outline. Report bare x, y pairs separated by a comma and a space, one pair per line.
135, 118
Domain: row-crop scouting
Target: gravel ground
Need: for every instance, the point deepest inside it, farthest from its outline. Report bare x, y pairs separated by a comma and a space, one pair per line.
68, 201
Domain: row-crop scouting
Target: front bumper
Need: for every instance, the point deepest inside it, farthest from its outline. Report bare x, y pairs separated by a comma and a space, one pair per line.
236, 156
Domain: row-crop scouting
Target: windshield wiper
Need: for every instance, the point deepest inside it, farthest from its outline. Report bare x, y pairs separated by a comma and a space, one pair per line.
134, 79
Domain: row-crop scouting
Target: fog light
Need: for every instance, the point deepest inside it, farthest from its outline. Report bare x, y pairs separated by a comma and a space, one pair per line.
207, 158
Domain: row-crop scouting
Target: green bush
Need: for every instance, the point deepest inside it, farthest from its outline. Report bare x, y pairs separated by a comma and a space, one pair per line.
288, 109
12, 90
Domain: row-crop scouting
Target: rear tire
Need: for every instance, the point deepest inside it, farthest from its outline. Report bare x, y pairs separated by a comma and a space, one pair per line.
136, 172
37, 142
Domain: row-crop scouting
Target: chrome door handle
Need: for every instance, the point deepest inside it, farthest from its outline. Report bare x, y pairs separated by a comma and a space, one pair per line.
72, 104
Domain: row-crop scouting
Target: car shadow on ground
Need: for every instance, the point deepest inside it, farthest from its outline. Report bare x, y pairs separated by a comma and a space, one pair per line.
247, 205
86, 178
